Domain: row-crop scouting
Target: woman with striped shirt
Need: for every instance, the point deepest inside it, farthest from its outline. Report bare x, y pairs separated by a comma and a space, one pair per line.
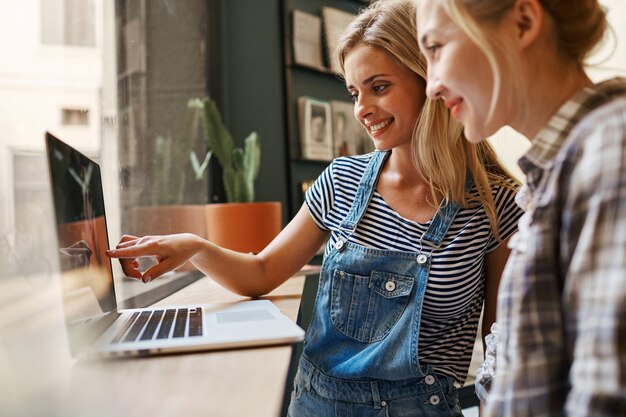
415, 242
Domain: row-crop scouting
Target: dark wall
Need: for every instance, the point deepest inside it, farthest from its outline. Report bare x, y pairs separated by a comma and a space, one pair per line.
250, 90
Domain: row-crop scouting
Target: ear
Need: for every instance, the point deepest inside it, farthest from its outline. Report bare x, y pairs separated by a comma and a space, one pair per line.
529, 20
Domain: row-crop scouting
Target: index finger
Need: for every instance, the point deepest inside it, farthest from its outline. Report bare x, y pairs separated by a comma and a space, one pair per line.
136, 251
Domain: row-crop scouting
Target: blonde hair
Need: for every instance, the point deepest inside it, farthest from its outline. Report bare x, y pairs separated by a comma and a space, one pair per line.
578, 28
440, 152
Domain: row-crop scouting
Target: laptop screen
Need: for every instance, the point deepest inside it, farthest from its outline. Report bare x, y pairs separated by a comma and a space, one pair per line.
86, 274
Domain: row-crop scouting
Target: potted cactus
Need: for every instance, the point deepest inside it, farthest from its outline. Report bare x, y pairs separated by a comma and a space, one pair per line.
240, 166
240, 224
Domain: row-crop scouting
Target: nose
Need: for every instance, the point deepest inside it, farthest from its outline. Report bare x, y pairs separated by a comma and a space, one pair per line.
434, 88
363, 107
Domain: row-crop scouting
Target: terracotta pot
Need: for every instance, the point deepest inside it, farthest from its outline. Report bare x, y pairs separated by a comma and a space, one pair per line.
243, 227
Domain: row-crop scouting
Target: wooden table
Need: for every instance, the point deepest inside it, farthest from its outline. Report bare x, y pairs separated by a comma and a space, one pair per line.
39, 378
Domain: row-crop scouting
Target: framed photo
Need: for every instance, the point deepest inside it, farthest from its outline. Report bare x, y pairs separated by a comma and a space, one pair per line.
349, 136
334, 22
316, 135
307, 40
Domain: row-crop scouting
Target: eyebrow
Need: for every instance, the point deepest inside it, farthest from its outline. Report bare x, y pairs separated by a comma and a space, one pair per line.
369, 80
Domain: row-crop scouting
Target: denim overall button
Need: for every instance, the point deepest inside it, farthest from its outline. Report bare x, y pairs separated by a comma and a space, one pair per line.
421, 259
383, 403
339, 245
429, 379
434, 399
390, 286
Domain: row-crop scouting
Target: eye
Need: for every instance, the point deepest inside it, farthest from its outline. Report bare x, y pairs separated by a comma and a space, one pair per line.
432, 48
354, 96
379, 88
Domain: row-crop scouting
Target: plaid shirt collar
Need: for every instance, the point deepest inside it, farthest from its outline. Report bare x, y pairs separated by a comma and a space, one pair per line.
549, 140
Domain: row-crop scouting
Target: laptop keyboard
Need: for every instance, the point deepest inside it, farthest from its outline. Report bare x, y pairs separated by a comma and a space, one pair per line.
161, 324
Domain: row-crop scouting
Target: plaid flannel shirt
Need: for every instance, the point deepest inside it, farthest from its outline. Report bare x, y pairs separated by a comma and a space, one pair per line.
562, 300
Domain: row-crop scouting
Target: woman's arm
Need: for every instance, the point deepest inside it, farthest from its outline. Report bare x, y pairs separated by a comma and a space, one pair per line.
245, 274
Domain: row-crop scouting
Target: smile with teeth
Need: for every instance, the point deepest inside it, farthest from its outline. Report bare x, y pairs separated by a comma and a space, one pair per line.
380, 125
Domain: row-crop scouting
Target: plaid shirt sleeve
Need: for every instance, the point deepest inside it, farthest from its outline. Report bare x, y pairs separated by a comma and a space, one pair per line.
593, 253
562, 300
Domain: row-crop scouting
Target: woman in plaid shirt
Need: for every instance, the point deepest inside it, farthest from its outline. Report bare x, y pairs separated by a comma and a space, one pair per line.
561, 347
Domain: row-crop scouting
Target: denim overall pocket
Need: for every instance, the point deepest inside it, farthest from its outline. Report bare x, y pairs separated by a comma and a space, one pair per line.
366, 308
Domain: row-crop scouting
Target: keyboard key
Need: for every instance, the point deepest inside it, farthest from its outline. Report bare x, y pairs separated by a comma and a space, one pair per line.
195, 322
125, 327
137, 327
181, 323
166, 324
153, 323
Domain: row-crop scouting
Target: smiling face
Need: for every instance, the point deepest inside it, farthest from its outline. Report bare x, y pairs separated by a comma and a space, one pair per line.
388, 96
458, 72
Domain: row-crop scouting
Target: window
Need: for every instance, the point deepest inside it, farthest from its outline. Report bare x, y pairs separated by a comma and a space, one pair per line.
75, 117
138, 64
68, 22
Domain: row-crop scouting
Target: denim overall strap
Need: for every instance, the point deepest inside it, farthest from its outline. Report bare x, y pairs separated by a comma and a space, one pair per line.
366, 189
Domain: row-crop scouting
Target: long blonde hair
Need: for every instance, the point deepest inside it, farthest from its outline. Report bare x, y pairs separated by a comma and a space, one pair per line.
440, 152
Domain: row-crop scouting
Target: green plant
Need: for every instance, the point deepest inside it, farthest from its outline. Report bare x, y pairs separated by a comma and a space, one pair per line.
240, 166
178, 172
169, 180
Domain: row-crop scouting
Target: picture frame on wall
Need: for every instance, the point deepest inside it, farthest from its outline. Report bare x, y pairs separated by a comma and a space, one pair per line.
316, 135
307, 40
334, 22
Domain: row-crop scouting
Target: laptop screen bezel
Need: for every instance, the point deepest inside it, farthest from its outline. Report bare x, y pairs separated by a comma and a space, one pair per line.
84, 331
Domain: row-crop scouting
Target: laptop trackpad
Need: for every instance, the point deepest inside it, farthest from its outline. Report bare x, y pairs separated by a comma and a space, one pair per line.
243, 316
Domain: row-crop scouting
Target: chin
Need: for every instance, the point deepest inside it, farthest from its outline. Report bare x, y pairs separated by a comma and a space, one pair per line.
472, 136
380, 146
476, 132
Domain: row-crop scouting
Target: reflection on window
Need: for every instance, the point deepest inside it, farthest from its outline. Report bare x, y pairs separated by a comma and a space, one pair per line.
161, 65
114, 84
75, 117
68, 22
32, 240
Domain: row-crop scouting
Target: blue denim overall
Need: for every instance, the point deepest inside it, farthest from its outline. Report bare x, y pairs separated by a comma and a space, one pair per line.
361, 349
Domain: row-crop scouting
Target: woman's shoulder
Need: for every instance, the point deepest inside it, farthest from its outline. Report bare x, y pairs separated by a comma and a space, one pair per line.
352, 163
505, 184
504, 189
504, 193
606, 114
354, 159
596, 145
501, 185
602, 131
612, 113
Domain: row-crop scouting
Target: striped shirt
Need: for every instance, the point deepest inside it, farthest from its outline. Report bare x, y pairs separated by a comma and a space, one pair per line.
562, 300
455, 291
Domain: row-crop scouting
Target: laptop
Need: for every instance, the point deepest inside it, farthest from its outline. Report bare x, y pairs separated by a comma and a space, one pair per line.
95, 326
